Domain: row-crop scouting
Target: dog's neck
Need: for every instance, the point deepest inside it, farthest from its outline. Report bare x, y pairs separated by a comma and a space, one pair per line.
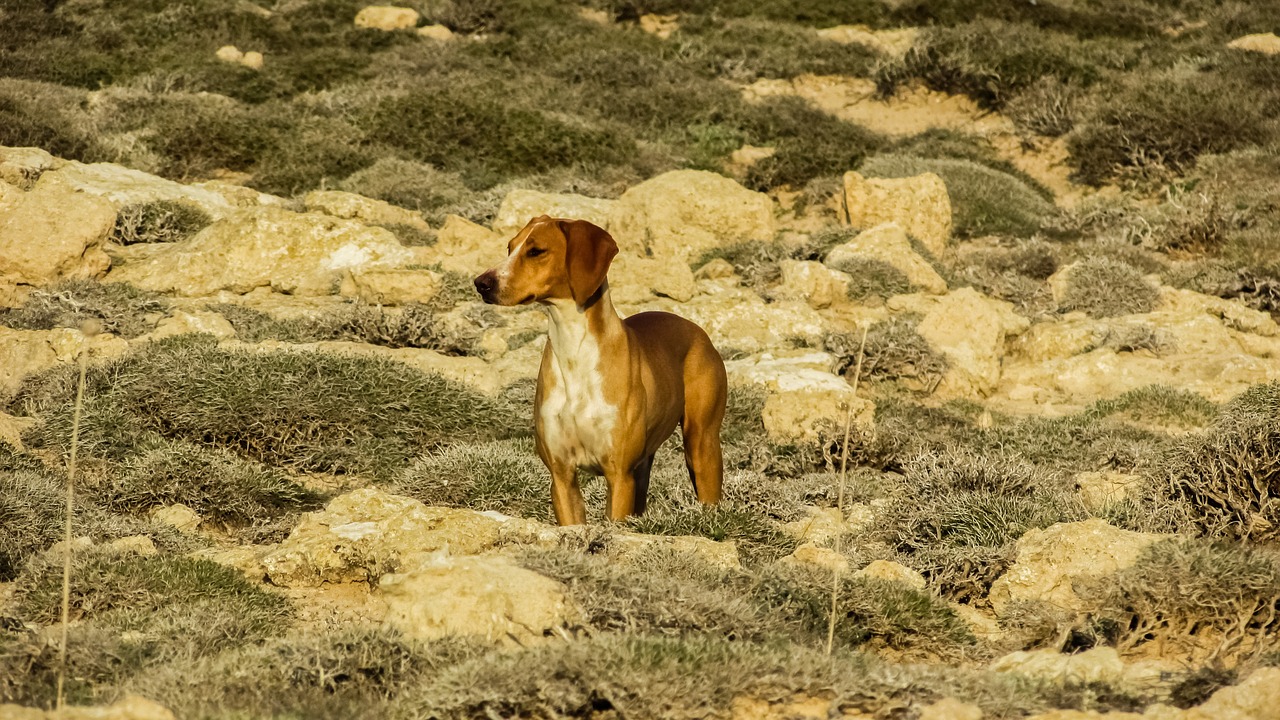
572, 323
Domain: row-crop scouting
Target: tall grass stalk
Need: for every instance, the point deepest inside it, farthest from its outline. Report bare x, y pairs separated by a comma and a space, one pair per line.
844, 474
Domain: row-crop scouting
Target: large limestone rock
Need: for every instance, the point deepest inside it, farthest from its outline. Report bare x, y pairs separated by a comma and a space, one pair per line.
920, 205
811, 282
521, 206
296, 253
367, 533
386, 17
122, 186
466, 247
25, 352
21, 167
51, 233
1265, 43
351, 206
889, 244
1098, 490
1050, 563
1256, 698
181, 322
739, 319
634, 279
684, 213
1096, 665
893, 572
970, 329
129, 707
804, 400
488, 597
392, 286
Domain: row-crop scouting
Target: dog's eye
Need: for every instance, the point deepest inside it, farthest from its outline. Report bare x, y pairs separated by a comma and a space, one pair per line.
535, 252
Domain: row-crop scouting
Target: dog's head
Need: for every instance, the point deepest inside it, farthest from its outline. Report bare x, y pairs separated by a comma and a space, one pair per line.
550, 259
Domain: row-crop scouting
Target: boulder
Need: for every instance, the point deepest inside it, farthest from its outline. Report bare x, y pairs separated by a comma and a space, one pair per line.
12, 427
920, 205
21, 167
296, 253
351, 206
660, 25
140, 545
739, 319
816, 413
392, 286
811, 282
177, 516
1257, 697
181, 322
367, 533
386, 17
488, 597
1265, 43
683, 214
253, 60
25, 352
819, 526
635, 279
465, 247
229, 54
50, 233
1100, 489
893, 572
1050, 563
1099, 665
129, 707
521, 206
889, 244
970, 330
810, 555
122, 186
950, 709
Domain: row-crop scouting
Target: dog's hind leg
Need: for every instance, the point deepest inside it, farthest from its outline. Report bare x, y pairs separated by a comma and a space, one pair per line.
641, 475
704, 408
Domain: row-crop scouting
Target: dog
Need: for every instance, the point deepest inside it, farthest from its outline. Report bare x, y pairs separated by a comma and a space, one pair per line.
610, 390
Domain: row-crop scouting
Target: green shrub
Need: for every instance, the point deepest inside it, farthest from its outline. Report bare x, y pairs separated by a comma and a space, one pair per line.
504, 475
1102, 287
984, 201
809, 143
1015, 274
158, 221
31, 116
415, 325
745, 50
1209, 601
409, 184
1048, 107
1227, 477
301, 154
310, 411
894, 351
1161, 125
871, 278
1159, 405
121, 308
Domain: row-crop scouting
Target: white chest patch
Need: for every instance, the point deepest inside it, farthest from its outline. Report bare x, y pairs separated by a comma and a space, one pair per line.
577, 421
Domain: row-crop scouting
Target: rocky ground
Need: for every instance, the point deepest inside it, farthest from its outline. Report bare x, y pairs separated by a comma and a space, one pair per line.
306, 485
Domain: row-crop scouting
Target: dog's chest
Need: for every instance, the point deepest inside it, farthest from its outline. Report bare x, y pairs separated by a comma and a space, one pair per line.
577, 422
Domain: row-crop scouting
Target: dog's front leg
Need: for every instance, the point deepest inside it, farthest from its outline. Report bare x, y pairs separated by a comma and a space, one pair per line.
566, 494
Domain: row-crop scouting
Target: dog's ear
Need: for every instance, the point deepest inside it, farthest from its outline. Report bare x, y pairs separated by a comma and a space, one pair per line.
588, 252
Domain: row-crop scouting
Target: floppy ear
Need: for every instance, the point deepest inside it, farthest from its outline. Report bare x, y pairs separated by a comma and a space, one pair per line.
588, 252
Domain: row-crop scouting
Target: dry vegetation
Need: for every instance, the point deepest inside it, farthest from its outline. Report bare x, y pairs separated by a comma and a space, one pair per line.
545, 98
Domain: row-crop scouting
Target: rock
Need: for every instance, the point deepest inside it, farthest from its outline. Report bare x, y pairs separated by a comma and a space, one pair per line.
820, 526
1101, 489
746, 157
893, 572
811, 282
253, 60
660, 25
1050, 563
816, 413
1265, 43
385, 17
1185, 303
634, 279
50, 234
129, 707
245, 558
177, 516
521, 206
684, 213
920, 205
893, 43
488, 597
810, 555
80, 544
181, 322
889, 244
21, 167
623, 545
950, 709
123, 186
739, 319
366, 533
351, 206
716, 269
970, 330
982, 625
435, 32
296, 253
397, 286
1096, 665
134, 545
229, 54
1257, 697
11, 427
25, 352
465, 247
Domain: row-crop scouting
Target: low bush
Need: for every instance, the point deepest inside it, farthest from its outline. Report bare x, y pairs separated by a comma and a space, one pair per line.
1101, 287
1048, 107
745, 50
308, 411
409, 184
809, 143
1016, 274
984, 201
870, 278
158, 221
121, 308
503, 475
894, 351
414, 325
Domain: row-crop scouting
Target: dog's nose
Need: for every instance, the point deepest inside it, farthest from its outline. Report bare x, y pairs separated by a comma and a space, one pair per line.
485, 285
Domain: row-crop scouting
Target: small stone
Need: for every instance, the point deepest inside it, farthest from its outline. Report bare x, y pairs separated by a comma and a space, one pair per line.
435, 32
950, 709
1265, 43
810, 555
894, 572
229, 54
252, 60
177, 516
134, 545
385, 17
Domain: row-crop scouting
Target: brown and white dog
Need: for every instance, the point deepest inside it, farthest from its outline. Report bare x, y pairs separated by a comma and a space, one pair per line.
610, 391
